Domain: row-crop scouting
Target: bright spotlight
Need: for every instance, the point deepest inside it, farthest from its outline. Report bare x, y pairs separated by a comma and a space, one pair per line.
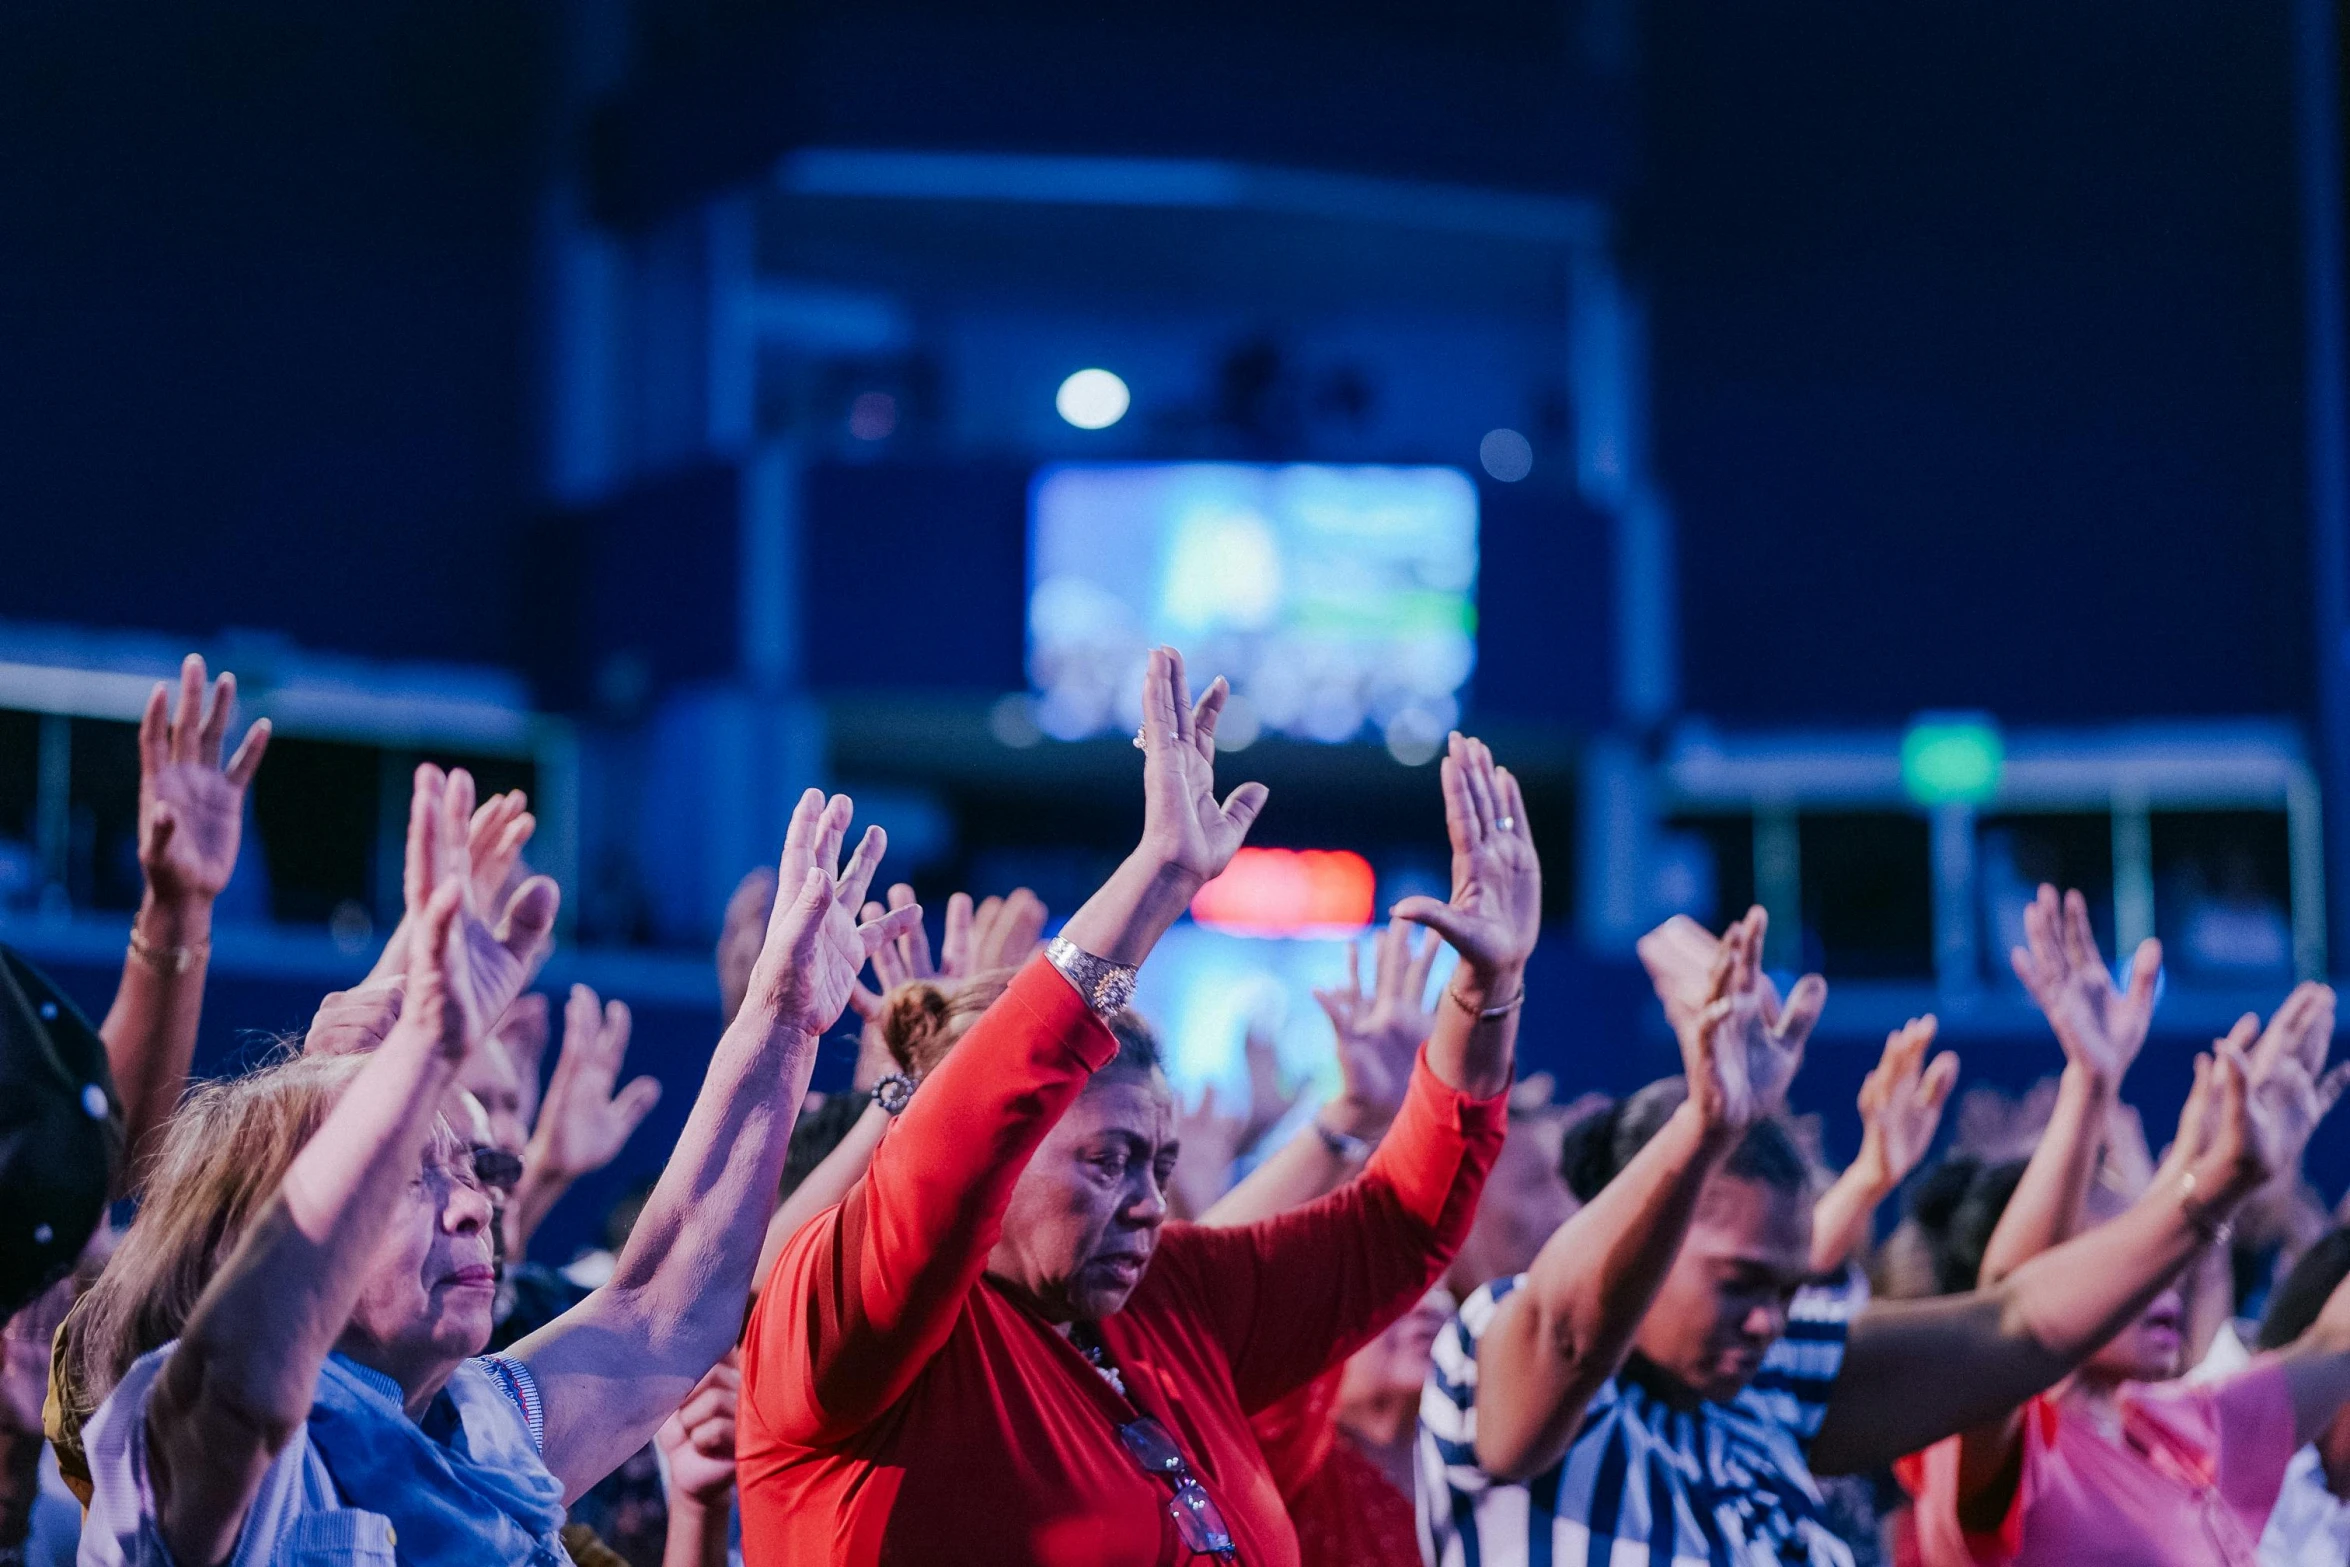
1092, 399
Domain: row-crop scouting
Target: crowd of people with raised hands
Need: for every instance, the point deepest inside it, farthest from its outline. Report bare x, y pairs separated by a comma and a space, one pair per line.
1009, 1299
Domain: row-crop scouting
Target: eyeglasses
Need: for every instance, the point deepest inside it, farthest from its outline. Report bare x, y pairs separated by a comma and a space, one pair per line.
1197, 1523
497, 1169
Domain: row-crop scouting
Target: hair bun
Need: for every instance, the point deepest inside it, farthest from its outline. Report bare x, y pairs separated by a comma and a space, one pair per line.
914, 1026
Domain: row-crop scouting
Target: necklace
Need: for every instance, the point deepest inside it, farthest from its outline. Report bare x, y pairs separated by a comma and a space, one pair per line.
1097, 1355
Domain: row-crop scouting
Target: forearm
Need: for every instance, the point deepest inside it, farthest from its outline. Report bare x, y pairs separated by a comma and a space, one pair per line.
1841, 1219
1143, 898
1558, 1339
697, 1532
269, 1319
827, 1184
2046, 1207
1470, 1052
150, 1031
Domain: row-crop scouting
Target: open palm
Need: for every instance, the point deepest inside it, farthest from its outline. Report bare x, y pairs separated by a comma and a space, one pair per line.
1741, 1049
1182, 825
487, 963
2100, 1026
191, 808
807, 968
587, 1119
1495, 912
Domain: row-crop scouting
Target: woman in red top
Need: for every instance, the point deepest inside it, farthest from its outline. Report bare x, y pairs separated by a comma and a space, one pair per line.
995, 1349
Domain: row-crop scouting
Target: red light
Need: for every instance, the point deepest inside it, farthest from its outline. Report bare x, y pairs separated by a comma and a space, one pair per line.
1288, 892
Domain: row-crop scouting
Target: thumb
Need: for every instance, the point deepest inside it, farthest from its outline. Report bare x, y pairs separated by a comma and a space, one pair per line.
2145, 973
530, 916
1438, 916
633, 1103
160, 826
1242, 805
1941, 1075
2330, 1087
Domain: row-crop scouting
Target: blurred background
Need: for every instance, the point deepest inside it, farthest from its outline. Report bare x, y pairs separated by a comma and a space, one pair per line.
1860, 463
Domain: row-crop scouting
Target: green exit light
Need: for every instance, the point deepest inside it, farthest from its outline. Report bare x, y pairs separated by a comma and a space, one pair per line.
1951, 761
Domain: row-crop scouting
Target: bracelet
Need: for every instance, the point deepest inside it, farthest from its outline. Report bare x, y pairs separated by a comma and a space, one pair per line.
169, 960
1343, 1146
1489, 1014
2215, 1232
893, 1092
1107, 987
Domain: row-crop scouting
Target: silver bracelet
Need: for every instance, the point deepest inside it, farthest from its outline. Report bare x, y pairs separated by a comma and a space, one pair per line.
1107, 987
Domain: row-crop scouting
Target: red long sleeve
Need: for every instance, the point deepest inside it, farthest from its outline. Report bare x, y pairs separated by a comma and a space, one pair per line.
865, 1294
1291, 1295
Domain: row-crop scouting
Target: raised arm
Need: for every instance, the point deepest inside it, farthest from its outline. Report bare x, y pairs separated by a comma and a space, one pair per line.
614, 1366
240, 1380
1916, 1371
1553, 1344
191, 819
1900, 1107
2101, 1028
1378, 1035
863, 1297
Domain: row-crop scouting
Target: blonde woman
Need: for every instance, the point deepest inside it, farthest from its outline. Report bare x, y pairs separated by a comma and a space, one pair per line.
287, 1344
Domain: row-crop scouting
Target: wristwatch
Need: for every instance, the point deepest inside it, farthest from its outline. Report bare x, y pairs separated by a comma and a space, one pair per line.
1107, 987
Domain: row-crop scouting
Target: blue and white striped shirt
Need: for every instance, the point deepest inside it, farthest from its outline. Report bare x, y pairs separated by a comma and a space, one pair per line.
1643, 1484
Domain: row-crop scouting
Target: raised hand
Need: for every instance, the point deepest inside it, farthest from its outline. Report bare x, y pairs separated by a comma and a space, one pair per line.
1212, 1139
2100, 1027
191, 808
2286, 1082
1901, 1103
1269, 1098
2222, 1154
353, 1022
584, 1123
998, 933
494, 841
1495, 912
807, 968
500, 946
1183, 828
698, 1440
1740, 1049
1380, 1033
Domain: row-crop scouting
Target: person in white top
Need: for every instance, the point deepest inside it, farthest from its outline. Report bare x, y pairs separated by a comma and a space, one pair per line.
2310, 1526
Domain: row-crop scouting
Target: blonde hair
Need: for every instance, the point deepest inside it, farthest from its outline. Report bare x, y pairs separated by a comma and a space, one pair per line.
922, 1019
225, 1152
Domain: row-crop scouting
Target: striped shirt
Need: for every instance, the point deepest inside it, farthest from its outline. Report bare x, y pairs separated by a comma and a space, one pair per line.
1643, 1484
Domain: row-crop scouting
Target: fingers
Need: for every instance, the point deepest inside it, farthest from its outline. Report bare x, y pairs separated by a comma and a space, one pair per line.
1354, 970
832, 829
247, 760
456, 825
1159, 723
1243, 804
1021, 928
799, 838
1437, 916
529, 922
1513, 803
917, 940
1415, 979
1460, 812
2080, 941
632, 1104
867, 1004
1203, 717
188, 721
863, 864
1941, 1076
797, 916
889, 959
1476, 767
1179, 698
162, 822
954, 948
1804, 1003
1391, 958
216, 716
889, 927
155, 731
420, 874
2145, 974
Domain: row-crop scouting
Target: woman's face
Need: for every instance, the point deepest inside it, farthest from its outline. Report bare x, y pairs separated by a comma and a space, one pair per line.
1085, 1216
1724, 1302
1379, 1392
426, 1303
2149, 1349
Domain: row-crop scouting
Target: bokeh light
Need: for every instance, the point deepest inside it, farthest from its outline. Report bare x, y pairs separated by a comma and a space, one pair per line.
1093, 399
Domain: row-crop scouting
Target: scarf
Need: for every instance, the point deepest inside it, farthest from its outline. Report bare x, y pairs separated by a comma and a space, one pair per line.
483, 1497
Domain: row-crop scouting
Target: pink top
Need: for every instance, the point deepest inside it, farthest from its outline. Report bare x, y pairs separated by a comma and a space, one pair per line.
2191, 1479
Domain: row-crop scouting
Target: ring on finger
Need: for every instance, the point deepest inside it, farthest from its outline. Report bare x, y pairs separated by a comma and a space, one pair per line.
1507, 824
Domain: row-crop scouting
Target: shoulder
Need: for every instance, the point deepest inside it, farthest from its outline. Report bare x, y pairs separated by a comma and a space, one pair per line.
517, 1390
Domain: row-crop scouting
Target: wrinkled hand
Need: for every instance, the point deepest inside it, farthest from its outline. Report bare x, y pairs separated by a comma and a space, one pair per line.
1740, 1049
2286, 1081
1183, 828
1211, 1141
807, 968
497, 949
999, 933
697, 1441
191, 808
1379, 1034
2101, 1028
1901, 1103
1496, 908
353, 1022
584, 1123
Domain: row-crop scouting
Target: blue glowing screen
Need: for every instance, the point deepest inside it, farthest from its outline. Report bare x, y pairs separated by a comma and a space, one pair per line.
1339, 601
